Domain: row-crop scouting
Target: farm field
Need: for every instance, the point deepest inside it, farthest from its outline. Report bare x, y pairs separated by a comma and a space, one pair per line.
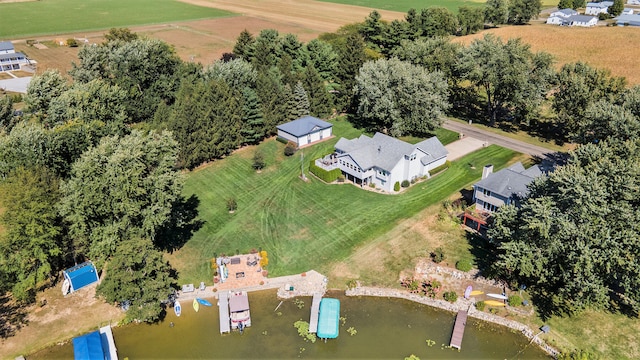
302, 225
614, 48
405, 5
22, 19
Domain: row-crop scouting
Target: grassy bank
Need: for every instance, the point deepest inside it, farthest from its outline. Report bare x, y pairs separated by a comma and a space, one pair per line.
23, 19
303, 225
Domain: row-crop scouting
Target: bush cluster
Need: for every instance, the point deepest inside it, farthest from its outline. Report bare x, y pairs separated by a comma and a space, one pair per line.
450, 296
290, 149
396, 186
437, 255
514, 300
464, 265
480, 305
405, 183
282, 140
324, 175
440, 168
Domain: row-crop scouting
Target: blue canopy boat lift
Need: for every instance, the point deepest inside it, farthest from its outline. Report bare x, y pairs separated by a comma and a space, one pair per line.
329, 319
97, 345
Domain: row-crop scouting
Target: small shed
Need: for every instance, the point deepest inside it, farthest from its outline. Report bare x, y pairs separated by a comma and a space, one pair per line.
305, 130
79, 276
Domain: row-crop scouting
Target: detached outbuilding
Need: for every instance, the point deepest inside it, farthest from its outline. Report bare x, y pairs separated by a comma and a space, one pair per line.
79, 276
305, 130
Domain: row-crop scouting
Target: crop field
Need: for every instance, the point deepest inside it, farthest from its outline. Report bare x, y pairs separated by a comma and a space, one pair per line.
405, 5
303, 225
23, 19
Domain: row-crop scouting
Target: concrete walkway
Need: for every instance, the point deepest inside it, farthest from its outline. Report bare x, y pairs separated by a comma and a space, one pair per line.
16, 84
460, 148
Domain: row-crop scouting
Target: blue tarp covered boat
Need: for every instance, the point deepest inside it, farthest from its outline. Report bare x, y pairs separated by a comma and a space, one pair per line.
329, 318
203, 302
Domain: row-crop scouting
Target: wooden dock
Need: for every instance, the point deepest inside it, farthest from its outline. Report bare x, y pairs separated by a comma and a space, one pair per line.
223, 310
107, 339
315, 310
458, 329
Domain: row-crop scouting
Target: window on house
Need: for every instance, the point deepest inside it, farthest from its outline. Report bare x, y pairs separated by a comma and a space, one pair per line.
486, 192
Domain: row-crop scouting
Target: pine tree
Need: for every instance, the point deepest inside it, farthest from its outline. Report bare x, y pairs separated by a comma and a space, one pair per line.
616, 9
289, 105
244, 45
320, 102
252, 119
351, 56
301, 101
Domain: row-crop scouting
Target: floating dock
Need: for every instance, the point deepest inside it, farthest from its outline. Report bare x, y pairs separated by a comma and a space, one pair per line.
108, 344
329, 318
315, 312
223, 309
458, 329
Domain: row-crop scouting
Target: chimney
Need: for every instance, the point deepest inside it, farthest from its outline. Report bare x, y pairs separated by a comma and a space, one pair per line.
486, 171
379, 148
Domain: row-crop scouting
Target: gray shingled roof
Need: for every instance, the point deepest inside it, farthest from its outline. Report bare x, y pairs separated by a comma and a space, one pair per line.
12, 55
632, 20
303, 126
568, 11
384, 152
6, 45
580, 18
510, 181
602, 5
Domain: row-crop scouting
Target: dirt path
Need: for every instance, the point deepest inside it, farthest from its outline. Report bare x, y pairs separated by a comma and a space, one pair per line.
314, 15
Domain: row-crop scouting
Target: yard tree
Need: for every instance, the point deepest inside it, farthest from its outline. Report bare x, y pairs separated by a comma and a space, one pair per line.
373, 31
148, 70
265, 49
434, 54
291, 46
301, 100
575, 240
120, 34
578, 4
237, 73
396, 32
576, 86
252, 119
351, 56
25, 146
438, 21
513, 80
42, 89
32, 246
521, 11
91, 101
496, 12
470, 20
616, 9
6, 113
630, 100
289, 74
137, 275
244, 45
415, 106
322, 57
603, 120
121, 189
273, 99
320, 101
565, 4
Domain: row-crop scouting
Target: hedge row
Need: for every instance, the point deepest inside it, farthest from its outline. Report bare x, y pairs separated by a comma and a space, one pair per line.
324, 175
440, 168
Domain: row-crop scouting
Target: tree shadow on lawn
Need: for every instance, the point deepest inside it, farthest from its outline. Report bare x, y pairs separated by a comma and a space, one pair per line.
181, 226
13, 316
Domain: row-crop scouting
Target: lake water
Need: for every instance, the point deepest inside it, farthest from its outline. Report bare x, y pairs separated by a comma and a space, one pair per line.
386, 329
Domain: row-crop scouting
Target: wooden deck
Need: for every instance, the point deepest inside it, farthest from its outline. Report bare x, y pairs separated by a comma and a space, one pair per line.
458, 329
315, 310
223, 310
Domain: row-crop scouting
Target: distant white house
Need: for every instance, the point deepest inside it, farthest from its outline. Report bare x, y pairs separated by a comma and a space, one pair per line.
633, 2
627, 11
582, 20
383, 160
595, 8
628, 20
305, 130
559, 17
9, 58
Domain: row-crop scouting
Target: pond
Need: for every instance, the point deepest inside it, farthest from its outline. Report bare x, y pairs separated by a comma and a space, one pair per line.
385, 328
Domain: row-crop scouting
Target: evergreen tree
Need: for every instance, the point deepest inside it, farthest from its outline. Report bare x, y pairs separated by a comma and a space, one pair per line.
301, 101
265, 49
273, 101
322, 57
616, 9
320, 102
6, 113
252, 120
565, 4
290, 105
351, 56
289, 75
244, 45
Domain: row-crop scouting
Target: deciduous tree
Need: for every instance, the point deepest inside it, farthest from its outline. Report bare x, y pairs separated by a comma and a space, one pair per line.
42, 89
521, 11
496, 12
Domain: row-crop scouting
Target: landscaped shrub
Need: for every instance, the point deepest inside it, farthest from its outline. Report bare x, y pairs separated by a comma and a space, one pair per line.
232, 205
324, 175
450, 296
341, 178
264, 259
480, 305
437, 255
258, 160
372, 185
282, 140
514, 300
289, 150
464, 265
440, 168
396, 186
405, 183
72, 42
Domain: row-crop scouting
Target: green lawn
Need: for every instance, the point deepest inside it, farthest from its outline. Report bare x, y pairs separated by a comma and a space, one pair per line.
302, 225
405, 5
22, 19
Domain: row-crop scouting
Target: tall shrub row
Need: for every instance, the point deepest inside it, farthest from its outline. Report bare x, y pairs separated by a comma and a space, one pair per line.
324, 175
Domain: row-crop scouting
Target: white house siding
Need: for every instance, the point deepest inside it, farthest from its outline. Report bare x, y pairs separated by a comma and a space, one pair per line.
434, 165
589, 23
482, 200
288, 136
555, 20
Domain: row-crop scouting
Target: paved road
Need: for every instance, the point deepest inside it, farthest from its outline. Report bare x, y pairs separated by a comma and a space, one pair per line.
500, 140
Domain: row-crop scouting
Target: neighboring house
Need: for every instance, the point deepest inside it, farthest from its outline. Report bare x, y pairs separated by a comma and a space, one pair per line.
595, 8
383, 160
627, 11
9, 58
582, 20
628, 20
633, 2
564, 13
305, 130
504, 187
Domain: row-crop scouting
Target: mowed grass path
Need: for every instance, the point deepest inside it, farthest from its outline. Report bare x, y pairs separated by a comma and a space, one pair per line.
24, 19
405, 5
302, 225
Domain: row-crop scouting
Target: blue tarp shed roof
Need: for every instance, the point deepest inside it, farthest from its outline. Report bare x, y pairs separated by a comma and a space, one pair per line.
328, 323
88, 347
81, 275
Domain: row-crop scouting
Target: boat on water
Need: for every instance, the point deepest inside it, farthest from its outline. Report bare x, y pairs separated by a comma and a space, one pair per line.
467, 292
239, 313
498, 296
495, 303
203, 302
329, 318
196, 305
177, 308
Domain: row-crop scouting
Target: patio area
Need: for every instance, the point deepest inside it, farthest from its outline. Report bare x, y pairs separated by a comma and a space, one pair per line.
243, 271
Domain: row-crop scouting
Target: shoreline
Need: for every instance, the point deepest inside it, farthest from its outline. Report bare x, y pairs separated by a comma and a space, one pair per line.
460, 304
